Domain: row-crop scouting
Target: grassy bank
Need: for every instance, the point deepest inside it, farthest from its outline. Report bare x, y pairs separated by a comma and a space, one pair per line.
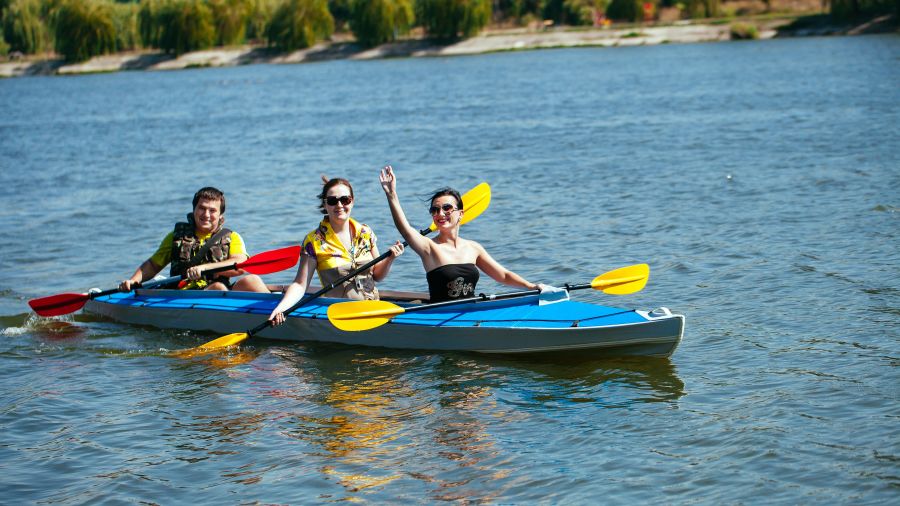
494, 39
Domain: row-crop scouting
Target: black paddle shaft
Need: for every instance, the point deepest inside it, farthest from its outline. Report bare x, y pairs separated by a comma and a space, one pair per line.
485, 298
326, 289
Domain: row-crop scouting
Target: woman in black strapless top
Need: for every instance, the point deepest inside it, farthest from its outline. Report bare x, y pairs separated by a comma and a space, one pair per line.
451, 263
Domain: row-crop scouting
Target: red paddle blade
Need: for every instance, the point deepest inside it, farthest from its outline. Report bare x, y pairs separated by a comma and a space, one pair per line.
271, 261
60, 304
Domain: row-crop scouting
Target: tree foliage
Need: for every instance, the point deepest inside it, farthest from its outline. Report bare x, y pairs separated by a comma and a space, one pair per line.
125, 24
84, 28
625, 10
176, 26
25, 26
297, 24
451, 19
375, 22
572, 12
230, 18
846, 10
702, 8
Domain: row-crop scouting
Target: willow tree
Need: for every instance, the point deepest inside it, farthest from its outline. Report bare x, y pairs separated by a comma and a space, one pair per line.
845, 10
178, 26
297, 24
625, 10
230, 18
259, 14
83, 29
451, 19
25, 28
702, 8
375, 22
125, 24
572, 12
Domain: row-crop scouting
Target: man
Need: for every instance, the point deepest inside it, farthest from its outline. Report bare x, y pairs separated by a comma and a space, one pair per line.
200, 244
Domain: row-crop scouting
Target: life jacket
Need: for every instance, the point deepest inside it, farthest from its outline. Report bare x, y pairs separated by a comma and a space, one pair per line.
186, 247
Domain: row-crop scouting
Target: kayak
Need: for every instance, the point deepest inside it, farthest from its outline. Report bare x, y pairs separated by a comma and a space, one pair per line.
511, 326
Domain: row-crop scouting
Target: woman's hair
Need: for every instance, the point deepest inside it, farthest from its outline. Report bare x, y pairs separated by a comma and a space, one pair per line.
210, 193
329, 184
447, 191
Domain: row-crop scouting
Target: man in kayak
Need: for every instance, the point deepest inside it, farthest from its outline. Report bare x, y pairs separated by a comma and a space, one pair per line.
197, 245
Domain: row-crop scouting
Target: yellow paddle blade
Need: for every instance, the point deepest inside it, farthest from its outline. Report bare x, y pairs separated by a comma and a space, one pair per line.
358, 315
225, 341
475, 201
622, 281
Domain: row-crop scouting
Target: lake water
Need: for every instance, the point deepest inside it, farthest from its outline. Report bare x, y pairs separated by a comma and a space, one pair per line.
759, 180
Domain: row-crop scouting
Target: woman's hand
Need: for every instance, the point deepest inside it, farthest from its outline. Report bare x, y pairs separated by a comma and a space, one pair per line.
276, 319
388, 180
397, 249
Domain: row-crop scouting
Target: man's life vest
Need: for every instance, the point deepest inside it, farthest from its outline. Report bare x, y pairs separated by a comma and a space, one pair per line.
188, 252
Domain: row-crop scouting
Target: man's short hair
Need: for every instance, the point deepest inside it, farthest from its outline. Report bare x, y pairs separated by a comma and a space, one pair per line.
210, 193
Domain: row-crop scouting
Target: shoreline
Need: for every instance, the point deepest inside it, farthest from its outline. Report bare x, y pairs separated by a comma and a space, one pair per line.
490, 41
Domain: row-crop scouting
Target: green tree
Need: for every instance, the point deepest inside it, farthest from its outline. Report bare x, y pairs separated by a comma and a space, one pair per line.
625, 10
25, 27
183, 26
375, 22
148, 28
340, 11
230, 18
297, 24
702, 8
125, 23
259, 14
451, 19
84, 28
846, 10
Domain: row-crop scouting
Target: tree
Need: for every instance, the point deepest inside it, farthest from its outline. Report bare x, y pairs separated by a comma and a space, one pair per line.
298, 24
375, 22
451, 19
182, 26
84, 29
625, 10
25, 28
230, 19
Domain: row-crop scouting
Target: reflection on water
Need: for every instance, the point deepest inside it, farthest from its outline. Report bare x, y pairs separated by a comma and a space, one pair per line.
374, 409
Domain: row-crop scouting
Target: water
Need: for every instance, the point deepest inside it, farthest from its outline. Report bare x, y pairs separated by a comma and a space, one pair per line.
759, 180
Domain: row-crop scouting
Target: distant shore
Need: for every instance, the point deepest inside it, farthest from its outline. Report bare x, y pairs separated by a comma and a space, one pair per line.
487, 42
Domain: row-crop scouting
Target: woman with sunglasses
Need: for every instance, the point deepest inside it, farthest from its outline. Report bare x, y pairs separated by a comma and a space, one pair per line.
336, 247
451, 262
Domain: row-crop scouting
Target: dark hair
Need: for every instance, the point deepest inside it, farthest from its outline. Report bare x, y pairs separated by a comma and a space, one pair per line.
329, 184
447, 191
210, 193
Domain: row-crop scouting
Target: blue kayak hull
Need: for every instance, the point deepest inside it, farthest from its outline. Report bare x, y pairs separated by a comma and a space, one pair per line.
512, 326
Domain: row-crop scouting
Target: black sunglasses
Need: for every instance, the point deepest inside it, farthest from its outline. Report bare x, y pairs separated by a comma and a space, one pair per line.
332, 201
444, 207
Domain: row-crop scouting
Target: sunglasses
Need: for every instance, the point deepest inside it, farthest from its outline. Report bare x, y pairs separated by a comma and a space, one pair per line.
445, 208
332, 201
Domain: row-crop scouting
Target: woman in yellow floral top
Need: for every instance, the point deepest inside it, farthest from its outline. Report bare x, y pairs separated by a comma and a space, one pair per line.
336, 247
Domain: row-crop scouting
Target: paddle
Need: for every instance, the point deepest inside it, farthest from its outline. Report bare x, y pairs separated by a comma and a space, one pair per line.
262, 263
368, 314
475, 201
